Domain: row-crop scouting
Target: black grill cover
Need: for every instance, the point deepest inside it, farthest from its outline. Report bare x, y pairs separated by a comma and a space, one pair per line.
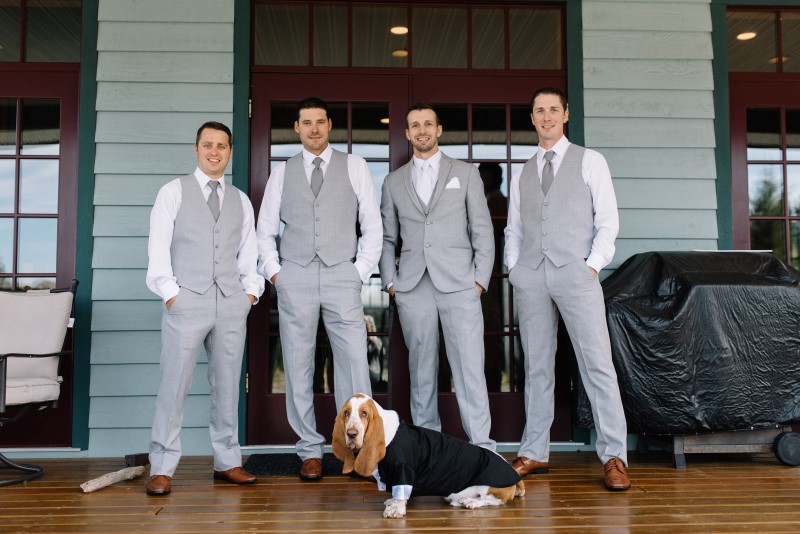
703, 342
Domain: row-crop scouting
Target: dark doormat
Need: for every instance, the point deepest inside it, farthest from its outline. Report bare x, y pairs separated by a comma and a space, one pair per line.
287, 464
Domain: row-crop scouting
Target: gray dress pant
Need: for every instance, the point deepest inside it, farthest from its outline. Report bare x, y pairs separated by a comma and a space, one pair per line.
462, 324
574, 292
219, 323
304, 293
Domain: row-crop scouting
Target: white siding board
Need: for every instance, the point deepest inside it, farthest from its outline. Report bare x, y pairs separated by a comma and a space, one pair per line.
676, 16
127, 380
121, 221
166, 10
177, 160
111, 348
647, 44
152, 127
130, 189
119, 252
661, 223
183, 67
656, 103
121, 284
126, 315
689, 74
628, 162
666, 193
150, 96
137, 412
649, 132
165, 36
105, 442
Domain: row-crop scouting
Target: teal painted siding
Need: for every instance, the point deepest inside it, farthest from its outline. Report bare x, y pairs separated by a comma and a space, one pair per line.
163, 68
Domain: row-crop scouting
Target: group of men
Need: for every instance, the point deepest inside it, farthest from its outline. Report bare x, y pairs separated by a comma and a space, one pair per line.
208, 263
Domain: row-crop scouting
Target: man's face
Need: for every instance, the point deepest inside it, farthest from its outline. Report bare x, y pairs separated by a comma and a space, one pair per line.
314, 129
549, 118
213, 152
423, 132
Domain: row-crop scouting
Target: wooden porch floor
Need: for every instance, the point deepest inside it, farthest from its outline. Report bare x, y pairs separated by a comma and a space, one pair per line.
716, 493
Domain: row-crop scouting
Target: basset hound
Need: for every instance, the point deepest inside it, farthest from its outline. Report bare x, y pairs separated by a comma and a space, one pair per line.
406, 459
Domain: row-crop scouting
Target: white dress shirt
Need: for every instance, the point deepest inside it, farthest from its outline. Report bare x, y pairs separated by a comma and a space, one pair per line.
597, 177
160, 279
369, 214
432, 175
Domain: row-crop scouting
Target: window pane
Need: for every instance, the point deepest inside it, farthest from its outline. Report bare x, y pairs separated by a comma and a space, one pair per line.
793, 134
53, 31
6, 245
765, 188
439, 38
790, 24
330, 36
374, 44
9, 30
493, 178
488, 39
489, 132
453, 119
40, 127
5, 283
281, 34
338, 136
523, 135
794, 237
768, 235
7, 185
536, 38
756, 54
37, 245
793, 189
376, 316
8, 123
38, 186
370, 135
36, 283
763, 134
284, 142
379, 170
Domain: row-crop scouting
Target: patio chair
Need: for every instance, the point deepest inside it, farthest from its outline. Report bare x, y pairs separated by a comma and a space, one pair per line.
33, 326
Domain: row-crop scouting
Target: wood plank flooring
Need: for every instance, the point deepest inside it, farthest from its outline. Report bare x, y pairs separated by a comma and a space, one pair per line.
716, 493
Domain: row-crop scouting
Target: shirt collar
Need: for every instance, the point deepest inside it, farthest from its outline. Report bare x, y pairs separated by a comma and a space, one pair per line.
308, 157
560, 148
433, 161
202, 179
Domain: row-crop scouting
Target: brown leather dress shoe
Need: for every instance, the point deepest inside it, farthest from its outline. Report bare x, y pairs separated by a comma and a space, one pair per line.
235, 475
525, 466
158, 485
311, 469
616, 475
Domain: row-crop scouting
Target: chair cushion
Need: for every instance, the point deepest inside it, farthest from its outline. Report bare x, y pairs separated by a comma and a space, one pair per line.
27, 390
33, 322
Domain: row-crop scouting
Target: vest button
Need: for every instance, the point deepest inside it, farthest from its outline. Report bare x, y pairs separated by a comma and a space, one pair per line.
427, 245
428, 222
216, 246
317, 218
317, 233
216, 261
546, 203
316, 205
317, 249
544, 248
544, 218
216, 230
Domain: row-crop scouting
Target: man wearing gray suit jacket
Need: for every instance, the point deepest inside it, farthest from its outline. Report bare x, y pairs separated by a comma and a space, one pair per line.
436, 207
562, 222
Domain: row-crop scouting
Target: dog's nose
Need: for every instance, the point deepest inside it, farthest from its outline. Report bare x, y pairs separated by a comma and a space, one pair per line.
352, 434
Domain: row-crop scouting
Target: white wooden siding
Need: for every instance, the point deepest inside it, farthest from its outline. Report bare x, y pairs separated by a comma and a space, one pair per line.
164, 68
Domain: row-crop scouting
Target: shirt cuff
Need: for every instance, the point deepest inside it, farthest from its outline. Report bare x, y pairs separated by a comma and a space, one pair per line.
271, 269
402, 492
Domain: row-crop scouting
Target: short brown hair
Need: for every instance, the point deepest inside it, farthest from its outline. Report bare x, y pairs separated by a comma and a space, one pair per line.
550, 91
214, 125
421, 106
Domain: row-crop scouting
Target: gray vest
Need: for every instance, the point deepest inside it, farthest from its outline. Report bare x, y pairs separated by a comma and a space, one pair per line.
560, 225
324, 226
203, 251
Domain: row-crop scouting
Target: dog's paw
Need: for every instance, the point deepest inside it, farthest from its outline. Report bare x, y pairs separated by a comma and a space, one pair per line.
395, 508
470, 502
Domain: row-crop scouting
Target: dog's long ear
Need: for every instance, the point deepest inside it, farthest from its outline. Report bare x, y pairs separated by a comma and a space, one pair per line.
374, 448
340, 450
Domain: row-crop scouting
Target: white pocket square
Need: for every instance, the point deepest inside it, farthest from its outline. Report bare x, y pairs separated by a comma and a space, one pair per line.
453, 184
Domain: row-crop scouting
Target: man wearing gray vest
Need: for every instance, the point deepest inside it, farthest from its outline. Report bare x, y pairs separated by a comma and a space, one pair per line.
437, 207
562, 223
202, 263
321, 264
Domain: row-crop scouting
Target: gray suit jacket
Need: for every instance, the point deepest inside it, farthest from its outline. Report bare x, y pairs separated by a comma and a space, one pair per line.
454, 240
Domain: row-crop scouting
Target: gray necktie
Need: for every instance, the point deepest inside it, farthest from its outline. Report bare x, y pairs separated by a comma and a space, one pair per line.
316, 176
213, 199
547, 171
424, 185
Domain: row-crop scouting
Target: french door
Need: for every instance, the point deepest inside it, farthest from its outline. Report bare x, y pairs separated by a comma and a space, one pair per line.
486, 121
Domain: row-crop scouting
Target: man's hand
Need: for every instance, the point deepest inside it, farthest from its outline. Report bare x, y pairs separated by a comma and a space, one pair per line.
170, 301
479, 288
274, 277
252, 298
391, 291
594, 273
